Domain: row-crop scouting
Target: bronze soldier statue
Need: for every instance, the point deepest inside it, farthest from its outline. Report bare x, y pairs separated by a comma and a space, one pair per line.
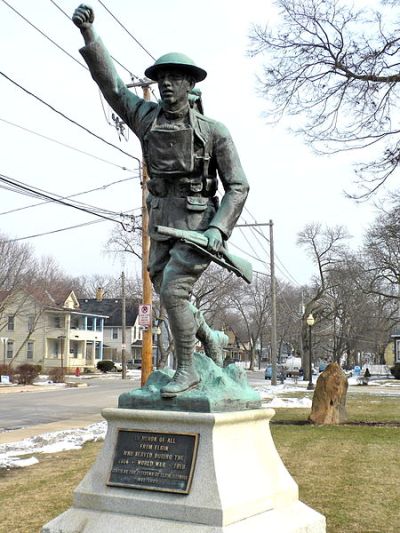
185, 154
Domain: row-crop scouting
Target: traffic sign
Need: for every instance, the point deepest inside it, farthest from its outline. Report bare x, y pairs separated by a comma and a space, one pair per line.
145, 315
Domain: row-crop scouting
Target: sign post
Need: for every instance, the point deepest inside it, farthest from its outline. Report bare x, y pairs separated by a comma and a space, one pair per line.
145, 315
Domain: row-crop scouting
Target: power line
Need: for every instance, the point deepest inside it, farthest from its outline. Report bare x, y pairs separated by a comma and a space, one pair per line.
45, 35
246, 253
250, 244
127, 31
103, 187
54, 231
66, 117
38, 193
62, 144
116, 60
288, 275
63, 229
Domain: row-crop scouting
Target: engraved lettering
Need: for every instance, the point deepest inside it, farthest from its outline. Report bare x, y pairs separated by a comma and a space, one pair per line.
154, 461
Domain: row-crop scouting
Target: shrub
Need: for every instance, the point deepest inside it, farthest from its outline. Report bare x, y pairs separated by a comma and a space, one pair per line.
26, 373
6, 370
395, 370
105, 365
56, 375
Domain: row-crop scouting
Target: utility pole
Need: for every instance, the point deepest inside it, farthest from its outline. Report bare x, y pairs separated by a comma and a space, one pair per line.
147, 342
123, 312
273, 295
273, 302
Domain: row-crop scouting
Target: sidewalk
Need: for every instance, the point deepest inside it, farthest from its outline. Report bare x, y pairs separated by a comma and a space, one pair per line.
32, 431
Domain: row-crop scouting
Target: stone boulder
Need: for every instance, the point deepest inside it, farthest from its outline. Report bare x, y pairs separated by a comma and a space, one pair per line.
329, 401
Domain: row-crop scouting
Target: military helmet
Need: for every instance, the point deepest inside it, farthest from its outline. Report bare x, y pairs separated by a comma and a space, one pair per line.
177, 61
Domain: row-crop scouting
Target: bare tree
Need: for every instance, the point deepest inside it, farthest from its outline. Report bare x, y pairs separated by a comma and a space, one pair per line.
253, 304
327, 249
382, 253
124, 240
337, 68
211, 294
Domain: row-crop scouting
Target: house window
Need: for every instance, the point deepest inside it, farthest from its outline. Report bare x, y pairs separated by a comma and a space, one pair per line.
73, 349
31, 322
10, 324
57, 322
114, 333
10, 349
98, 350
56, 348
29, 350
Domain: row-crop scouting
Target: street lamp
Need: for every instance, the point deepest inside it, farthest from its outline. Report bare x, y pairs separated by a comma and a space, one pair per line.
310, 322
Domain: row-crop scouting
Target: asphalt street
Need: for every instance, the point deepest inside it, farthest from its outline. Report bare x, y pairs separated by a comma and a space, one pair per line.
24, 409
24, 414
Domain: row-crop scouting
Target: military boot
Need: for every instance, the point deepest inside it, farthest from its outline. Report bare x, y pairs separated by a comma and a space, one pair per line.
214, 341
185, 378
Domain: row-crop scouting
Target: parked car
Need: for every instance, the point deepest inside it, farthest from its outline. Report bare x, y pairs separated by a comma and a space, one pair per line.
106, 365
132, 364
292, 366
322, 366
280, 372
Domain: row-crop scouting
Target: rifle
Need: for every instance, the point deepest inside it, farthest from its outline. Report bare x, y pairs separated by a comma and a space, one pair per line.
233, 263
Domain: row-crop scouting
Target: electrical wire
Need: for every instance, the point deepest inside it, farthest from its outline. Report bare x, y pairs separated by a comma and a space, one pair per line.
45, 35
67, 228
246, 253
63, 144
250, 244
282, 268
103, 187
127, 31
38, 193
132, 76
66, 117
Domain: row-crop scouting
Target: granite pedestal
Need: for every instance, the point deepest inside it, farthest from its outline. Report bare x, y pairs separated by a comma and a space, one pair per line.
239, 483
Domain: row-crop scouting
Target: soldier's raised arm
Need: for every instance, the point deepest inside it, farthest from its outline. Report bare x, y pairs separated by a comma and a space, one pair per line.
126, 104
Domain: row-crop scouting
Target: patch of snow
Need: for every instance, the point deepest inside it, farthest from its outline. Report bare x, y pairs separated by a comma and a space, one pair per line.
304, 403
57, 441
21, 463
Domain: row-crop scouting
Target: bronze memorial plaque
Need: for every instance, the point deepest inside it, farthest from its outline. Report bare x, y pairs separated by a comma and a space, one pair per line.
153, 460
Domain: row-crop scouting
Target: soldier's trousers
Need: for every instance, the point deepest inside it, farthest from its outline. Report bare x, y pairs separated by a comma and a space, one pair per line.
174, 268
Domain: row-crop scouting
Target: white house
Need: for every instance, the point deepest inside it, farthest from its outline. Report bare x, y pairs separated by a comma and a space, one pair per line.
50, 330
113, 338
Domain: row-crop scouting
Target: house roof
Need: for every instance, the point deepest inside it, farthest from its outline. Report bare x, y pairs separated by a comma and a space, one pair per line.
43, 297
111, 307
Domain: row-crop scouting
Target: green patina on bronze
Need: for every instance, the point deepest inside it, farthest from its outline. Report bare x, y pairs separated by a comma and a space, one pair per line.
188, 156
220, 390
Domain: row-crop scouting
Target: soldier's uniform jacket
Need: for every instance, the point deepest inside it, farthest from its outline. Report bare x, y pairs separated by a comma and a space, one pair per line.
183, 163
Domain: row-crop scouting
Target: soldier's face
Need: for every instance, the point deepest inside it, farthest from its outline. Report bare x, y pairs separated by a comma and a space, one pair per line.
174, 87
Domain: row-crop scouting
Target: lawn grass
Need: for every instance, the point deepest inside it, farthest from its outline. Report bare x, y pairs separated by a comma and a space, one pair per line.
349, 473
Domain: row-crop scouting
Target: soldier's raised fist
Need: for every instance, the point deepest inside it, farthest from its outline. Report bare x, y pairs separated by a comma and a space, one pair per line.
83, 16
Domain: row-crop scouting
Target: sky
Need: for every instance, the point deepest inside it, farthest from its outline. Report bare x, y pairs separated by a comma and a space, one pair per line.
288, 183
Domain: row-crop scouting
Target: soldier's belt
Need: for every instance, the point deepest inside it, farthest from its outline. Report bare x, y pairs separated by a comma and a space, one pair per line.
182, 187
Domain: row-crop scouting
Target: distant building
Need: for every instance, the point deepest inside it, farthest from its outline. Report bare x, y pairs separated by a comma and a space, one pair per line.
50, 330
112, 308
